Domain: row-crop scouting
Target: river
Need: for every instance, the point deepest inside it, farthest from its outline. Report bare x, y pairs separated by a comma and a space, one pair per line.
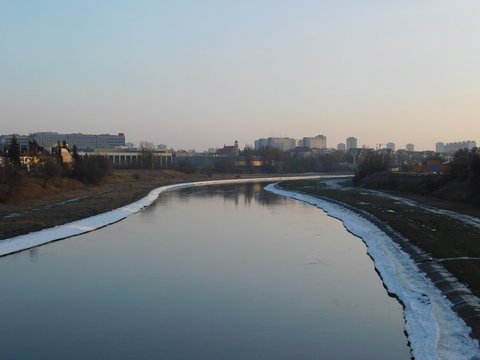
211, 272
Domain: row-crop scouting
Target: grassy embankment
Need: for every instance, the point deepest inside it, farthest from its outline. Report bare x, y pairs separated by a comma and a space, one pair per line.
439, 235
64, 199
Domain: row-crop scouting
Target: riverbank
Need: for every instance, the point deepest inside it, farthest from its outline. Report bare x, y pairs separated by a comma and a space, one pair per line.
442, 242
451, 240
87, 224
433, 329
194, 275
92, 223
63, 203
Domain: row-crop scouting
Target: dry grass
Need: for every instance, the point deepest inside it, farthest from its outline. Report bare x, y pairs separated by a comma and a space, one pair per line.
65, 200
40, 208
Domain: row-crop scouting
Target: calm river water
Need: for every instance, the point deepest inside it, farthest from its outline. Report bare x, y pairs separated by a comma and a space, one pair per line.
215, 272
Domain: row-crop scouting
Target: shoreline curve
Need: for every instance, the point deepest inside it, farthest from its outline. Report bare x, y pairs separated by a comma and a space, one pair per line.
433, 329
27, 241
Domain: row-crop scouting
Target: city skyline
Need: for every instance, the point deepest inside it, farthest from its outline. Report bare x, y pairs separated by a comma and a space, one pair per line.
301, 141
198, 76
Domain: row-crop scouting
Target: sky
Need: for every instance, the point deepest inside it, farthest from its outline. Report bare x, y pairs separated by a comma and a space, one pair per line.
200, 74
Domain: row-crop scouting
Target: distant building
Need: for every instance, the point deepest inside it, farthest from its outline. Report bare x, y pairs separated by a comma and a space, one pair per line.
351, 143
410, 147
259, 143
131, 158
283, 144
440, 147
82, 141
229, 150
184, 153
162, 147
302, 151
317, 142
391, 146
66, 156
341, 147
450, 148
22, 140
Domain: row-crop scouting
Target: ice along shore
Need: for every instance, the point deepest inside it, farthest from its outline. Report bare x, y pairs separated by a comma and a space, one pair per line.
434, 330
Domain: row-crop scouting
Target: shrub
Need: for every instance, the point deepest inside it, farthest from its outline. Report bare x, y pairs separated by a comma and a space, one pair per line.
186, 166
92, 169
49, 170
225, 166
370, 163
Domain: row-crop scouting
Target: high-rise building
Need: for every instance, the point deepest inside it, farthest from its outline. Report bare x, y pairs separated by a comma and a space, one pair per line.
317, 142
341, 147
450, 148
391, 146
410, 147
440, 147
281, 143
351, 143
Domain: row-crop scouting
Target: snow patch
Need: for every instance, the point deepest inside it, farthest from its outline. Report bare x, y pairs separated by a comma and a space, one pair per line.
434, 330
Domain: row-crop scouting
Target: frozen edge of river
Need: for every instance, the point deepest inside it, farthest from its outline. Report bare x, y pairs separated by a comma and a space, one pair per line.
434, 330
45, 236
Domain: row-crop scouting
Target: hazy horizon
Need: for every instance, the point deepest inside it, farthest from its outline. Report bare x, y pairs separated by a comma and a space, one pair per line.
200, 75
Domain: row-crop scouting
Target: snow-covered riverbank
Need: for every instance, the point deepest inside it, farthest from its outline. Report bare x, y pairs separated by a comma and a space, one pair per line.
23, 242
434, 329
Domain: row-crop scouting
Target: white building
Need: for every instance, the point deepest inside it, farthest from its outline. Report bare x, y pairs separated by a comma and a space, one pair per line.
82, 141
341, 147
410, 147
259, 143
351, 143
281, 143
391, 146
130, 158
440, 147
317, 142
450, 148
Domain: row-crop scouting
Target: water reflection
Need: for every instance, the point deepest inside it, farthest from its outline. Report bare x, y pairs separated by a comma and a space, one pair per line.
214, 272
34, 254
236, 193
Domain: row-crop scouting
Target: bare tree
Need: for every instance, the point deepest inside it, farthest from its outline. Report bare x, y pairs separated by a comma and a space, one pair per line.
147, 148
248, 155
50, 170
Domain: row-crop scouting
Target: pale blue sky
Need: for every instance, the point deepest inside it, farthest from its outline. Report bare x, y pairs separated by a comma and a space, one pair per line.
198, 74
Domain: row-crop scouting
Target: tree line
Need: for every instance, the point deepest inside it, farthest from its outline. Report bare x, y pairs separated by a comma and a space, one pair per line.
272, 160
34, 162
461, 182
